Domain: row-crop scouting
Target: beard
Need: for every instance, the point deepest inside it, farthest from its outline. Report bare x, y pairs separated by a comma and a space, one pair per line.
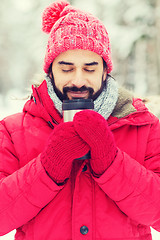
63, 95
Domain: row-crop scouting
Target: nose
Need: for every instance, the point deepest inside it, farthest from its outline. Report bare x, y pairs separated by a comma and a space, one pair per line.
78, 79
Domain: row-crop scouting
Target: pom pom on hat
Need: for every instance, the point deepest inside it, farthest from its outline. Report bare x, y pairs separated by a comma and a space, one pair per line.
70, 28
51, 14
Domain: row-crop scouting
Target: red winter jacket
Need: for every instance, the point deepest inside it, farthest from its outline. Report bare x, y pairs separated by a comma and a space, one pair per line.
122, 204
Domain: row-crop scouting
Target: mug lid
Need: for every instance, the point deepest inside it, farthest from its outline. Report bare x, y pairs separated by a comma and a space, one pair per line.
78, 103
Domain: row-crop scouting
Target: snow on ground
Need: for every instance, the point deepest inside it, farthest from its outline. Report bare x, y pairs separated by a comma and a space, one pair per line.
9, 236
155, 235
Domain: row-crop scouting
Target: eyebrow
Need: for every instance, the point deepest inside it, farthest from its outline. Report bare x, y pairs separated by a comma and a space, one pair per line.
65, 63
91, 64
71, 64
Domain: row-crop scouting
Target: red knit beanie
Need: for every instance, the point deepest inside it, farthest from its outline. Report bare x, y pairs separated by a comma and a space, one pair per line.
70, 28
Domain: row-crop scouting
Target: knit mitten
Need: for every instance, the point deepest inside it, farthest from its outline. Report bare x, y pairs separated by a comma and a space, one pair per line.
63, 146
94, 130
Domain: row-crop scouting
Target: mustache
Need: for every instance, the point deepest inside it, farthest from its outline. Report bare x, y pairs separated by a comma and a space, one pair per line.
76, 89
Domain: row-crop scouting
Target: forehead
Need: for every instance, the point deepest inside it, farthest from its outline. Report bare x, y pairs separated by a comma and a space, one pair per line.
78, 56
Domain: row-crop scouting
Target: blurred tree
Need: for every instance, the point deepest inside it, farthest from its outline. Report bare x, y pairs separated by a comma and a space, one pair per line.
137, 51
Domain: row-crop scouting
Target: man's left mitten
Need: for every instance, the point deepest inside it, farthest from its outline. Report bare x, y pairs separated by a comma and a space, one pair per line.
94, 130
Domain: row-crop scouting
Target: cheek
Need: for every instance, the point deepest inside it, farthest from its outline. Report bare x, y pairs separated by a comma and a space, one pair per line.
60, 82
96, 83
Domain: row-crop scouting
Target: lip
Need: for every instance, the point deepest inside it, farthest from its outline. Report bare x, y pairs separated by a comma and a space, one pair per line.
79, 94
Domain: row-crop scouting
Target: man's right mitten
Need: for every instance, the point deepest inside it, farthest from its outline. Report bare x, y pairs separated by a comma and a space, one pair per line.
63, 146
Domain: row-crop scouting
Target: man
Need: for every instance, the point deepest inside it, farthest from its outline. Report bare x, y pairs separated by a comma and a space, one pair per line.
46, 193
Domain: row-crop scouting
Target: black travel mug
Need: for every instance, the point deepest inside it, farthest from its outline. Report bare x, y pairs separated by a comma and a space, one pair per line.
71, 107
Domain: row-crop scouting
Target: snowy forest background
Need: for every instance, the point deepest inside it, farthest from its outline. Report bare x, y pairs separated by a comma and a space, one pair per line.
134, 30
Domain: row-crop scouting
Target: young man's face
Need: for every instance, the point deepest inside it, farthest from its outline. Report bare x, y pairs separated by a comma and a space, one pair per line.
78, 74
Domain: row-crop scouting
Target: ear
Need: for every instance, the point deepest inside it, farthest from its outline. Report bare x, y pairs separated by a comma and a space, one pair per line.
50, 71
104, 74
50, 75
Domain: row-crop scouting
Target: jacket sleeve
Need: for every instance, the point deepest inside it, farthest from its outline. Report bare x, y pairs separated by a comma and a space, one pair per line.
136, 188
23, 191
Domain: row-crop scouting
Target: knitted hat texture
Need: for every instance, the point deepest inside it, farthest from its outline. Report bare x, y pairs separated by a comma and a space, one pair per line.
70, 28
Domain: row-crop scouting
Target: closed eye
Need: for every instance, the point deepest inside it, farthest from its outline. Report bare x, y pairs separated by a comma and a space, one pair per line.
68, 70
89, 70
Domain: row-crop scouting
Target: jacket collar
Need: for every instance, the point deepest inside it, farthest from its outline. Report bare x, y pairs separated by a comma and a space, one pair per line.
41, 105
129, 110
